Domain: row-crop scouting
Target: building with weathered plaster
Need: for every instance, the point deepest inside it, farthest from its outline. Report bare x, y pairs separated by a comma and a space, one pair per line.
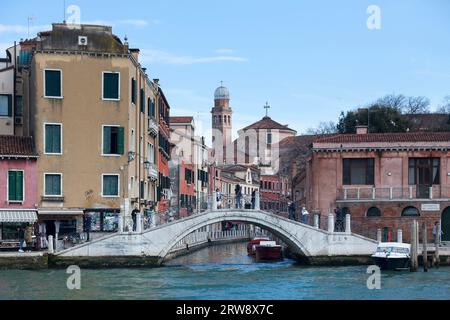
383, 180
18, 187
94, 114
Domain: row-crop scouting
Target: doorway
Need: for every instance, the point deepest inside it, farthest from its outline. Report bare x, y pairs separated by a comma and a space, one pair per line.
445, 224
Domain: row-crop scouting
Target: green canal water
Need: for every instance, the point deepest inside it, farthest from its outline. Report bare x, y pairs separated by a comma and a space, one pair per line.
226, 272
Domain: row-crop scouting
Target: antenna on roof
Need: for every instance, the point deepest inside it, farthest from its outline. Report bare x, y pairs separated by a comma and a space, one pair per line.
31, 18
64, 11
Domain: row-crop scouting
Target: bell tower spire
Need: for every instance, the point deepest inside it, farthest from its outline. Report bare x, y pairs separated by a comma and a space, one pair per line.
221, 123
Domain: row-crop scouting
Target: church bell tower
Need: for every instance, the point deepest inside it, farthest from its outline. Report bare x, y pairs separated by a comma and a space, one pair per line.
221, 124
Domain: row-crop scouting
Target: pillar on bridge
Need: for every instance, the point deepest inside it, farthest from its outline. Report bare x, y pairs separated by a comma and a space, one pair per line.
379, 235
138, 222
120, 224
50, 244
330, 222
316, 221
214, 202
348, 224
257, 201
399, 235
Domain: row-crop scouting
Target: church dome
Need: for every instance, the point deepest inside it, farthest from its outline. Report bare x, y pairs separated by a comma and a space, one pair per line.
222, 93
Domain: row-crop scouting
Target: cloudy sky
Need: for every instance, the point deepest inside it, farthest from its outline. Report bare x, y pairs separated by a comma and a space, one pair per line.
308, 59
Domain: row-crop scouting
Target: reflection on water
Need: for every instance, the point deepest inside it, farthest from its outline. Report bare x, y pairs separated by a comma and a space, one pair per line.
226, 272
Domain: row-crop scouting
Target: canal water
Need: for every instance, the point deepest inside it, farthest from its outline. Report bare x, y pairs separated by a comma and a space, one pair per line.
226, 272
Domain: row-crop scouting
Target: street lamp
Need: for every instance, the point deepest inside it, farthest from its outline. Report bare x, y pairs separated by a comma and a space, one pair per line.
147, 164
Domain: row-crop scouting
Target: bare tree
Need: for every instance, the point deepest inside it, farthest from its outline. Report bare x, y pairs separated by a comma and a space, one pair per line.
416, 105
396, 101
323, 128
445, 106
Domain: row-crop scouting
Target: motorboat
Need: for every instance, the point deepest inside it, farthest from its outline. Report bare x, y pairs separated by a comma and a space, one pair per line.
392, 255
251, 246
268, 251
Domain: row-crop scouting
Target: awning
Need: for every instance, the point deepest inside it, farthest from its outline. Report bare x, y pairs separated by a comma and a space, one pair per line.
62, 212
18, 216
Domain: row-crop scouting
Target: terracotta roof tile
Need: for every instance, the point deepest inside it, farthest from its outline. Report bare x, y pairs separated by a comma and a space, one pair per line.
17, 146
267, 123
386, 137
181, 119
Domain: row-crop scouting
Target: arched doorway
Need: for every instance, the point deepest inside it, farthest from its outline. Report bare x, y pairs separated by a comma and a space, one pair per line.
445, 224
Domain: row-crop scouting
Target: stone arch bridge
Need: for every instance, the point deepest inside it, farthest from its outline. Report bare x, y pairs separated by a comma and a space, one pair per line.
307, 243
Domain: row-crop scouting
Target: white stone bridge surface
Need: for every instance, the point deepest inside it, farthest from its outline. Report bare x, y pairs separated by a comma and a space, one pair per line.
306, 243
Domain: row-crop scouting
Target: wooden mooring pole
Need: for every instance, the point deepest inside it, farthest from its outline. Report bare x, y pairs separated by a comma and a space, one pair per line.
436, 245
424, 247
414, 262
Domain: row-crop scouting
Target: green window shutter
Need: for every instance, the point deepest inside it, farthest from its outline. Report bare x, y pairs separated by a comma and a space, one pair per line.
110, 186
111, 86
133, 91
106, 140
52, 184
52, 138
19, 185
9, 105
52, 83
142, 102
11, 185
121, 141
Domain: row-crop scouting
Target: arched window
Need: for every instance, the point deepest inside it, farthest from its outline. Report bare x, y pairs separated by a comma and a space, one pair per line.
410, 212
373, 212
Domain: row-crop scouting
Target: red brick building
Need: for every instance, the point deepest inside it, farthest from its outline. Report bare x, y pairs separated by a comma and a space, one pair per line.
275, 193
383, 180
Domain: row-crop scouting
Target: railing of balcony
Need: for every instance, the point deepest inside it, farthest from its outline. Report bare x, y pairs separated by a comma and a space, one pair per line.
394, 193
152, 126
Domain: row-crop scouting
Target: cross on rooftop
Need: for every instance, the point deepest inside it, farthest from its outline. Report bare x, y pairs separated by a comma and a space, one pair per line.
267, 107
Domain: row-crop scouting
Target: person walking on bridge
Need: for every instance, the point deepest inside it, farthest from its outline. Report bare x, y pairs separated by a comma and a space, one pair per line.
238, 192
305, 214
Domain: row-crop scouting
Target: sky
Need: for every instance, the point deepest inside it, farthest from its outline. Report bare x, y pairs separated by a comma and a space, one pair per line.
308, 59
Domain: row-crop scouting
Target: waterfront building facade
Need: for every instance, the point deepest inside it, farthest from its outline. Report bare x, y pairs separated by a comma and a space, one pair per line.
383, 180
94, 117
18, 187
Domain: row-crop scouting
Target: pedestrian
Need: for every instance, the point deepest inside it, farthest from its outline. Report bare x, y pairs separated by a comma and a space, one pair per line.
87, 225
133, 217
21, 232
253, 199
238, 192
437, 233
28, 237
218, 199
292, 209
305, 214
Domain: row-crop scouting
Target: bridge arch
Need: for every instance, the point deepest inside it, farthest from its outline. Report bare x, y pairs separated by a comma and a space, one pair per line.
258, 218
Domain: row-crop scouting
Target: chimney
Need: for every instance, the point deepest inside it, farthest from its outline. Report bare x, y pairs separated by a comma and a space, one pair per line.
362, 129
135, 54
156, 81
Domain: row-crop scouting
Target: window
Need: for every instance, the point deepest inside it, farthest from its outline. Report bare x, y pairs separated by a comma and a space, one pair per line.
410, 212
358, 171
113, 140
151, 153
373, 212
133, 91
18, 108
5, 105
151, 108
52, 184
67, 227
142, 190
111, 86
269, 138
15, 186
424, 171
188, 175
53, 138
142, 100
110, 185
52, 83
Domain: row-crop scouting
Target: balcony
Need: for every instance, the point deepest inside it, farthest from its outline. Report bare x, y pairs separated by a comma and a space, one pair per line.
415, 192
152, 127
152, 172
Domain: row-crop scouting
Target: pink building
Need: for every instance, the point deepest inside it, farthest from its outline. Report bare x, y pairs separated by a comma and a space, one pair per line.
18, 187
383, 180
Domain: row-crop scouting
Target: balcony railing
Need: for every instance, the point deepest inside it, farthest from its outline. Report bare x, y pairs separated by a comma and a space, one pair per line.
153, 172
415, 192
152, 127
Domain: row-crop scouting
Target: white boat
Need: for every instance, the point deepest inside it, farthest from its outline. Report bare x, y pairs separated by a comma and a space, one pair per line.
392, 255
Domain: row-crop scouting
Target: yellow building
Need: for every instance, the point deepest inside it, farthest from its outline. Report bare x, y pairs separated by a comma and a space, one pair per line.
93, 115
